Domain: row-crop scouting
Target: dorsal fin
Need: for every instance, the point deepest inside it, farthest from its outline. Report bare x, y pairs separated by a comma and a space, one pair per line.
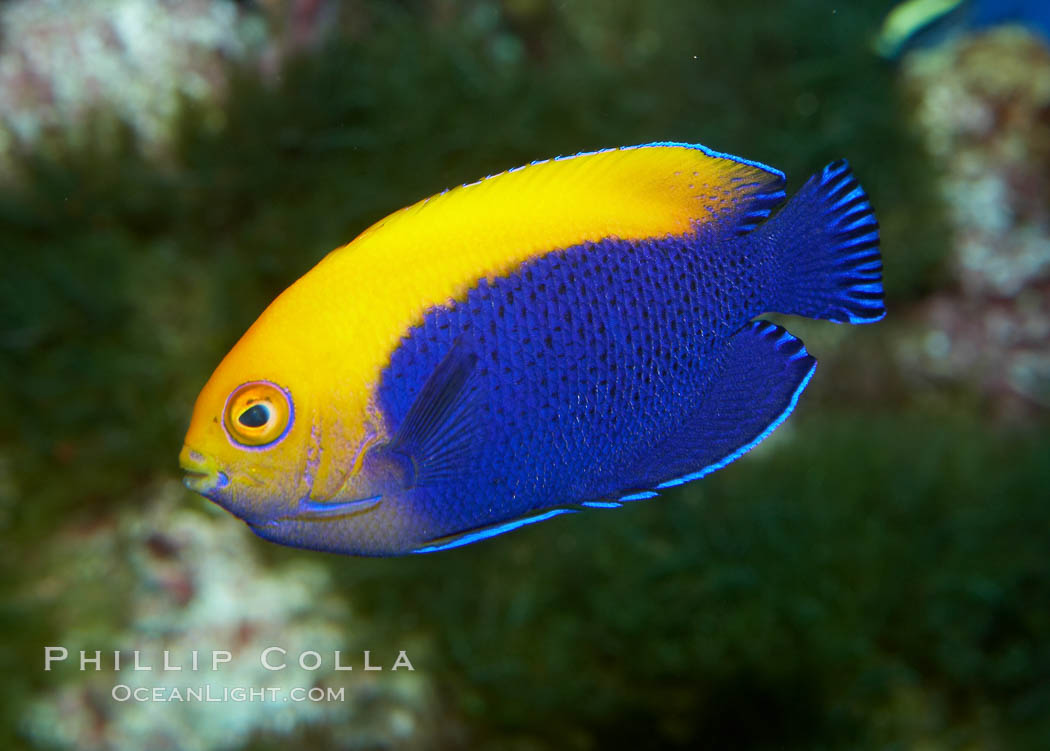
635, 192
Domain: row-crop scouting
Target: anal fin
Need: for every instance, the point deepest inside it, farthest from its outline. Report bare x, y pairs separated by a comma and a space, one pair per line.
756, 386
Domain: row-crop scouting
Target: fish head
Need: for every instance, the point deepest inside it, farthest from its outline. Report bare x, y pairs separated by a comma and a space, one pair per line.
283, 436
250, 446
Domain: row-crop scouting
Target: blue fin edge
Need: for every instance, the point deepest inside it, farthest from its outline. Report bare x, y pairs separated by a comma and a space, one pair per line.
497, 529
601, 504
715, 154
640, 496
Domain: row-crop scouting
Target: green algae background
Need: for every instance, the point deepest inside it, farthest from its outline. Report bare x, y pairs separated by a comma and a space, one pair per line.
874, 578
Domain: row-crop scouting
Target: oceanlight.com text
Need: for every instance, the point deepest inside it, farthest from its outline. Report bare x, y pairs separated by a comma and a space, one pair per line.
215, 694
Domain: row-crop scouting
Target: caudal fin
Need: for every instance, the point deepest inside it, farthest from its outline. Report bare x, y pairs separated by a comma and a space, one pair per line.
827, 241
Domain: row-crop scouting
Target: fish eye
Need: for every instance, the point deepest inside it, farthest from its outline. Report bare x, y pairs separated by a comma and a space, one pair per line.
258, 414
255, 416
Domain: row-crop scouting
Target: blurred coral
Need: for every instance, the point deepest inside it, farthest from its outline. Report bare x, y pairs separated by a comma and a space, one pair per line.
68, 66
982, 106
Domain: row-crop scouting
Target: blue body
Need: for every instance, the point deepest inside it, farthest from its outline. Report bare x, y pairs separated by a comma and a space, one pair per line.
605, 371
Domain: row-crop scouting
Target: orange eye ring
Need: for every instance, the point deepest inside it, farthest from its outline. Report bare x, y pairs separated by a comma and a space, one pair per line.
258, 414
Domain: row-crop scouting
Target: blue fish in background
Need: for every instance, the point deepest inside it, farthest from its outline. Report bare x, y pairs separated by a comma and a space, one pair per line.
574, 334
924, 23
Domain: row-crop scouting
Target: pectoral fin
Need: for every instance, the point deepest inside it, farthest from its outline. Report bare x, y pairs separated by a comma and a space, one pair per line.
443, 428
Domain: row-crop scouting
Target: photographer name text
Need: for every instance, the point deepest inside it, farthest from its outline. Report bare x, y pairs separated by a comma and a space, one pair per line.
271, 658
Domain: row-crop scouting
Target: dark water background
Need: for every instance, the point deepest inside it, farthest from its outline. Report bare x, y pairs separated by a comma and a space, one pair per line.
877, 577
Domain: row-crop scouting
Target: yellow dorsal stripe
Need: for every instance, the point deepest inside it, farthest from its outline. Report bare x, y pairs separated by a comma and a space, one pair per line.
630, 193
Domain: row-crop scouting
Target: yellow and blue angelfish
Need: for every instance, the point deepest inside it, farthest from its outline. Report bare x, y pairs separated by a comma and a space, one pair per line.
577, 333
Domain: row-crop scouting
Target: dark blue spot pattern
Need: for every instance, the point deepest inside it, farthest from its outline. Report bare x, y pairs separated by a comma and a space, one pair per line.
587, 358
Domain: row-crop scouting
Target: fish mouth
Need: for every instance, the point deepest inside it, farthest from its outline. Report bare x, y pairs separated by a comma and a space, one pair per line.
200, 474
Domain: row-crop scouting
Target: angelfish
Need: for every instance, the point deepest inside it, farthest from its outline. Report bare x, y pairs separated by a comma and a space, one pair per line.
577, 333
